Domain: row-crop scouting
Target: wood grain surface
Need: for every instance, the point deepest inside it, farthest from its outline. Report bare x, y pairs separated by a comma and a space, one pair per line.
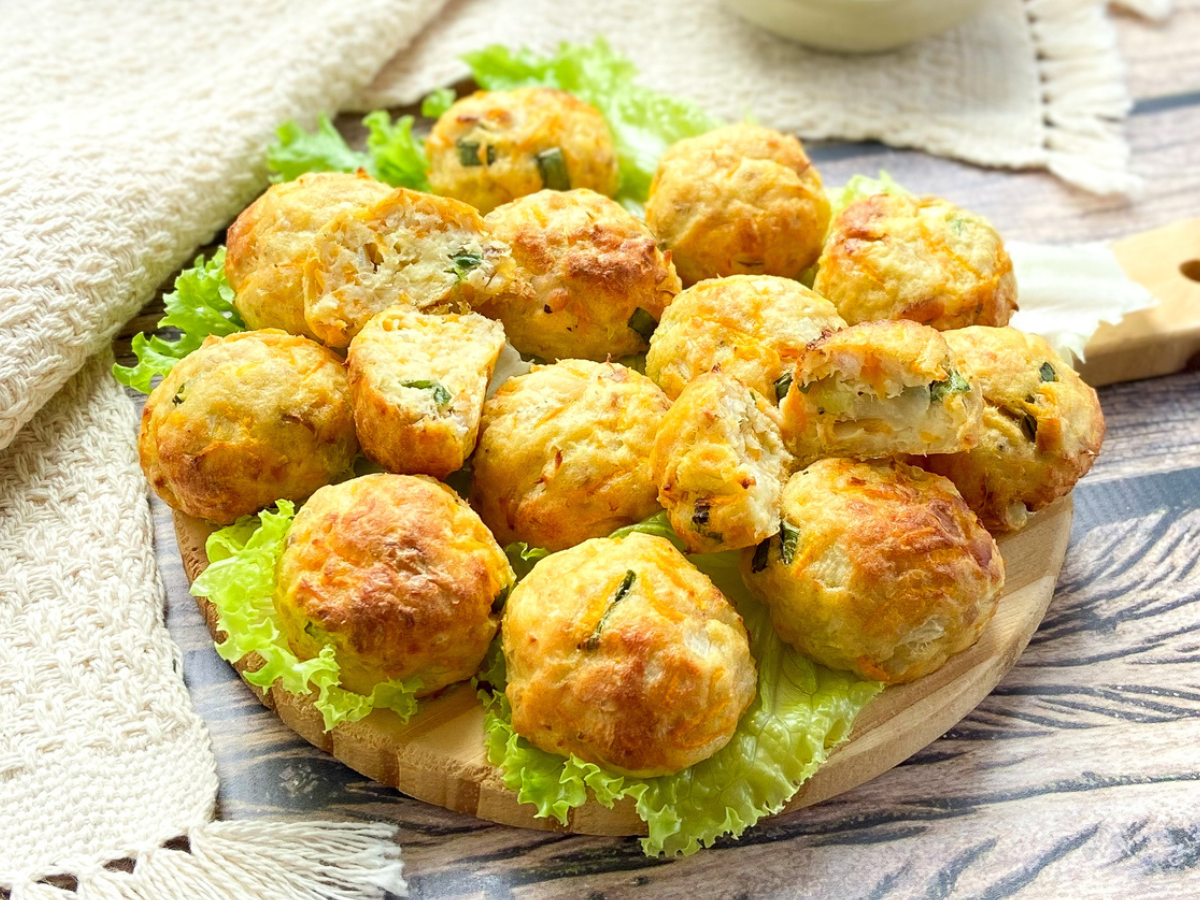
1077, 777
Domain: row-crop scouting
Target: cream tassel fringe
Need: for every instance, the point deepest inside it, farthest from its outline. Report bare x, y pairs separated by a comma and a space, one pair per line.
251, 860
1084, 95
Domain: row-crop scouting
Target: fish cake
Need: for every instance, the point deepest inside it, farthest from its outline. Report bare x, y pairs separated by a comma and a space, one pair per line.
749, 326
623, 653
494, 146
398, 575
880, 568
1042, 427
591, 282
739, 200
267, 245
564, 453
720, 465
880, 389
895, 256
432, 253
418, 383
244, 421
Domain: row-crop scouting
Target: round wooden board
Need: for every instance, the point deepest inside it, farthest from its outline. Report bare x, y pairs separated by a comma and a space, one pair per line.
438, 755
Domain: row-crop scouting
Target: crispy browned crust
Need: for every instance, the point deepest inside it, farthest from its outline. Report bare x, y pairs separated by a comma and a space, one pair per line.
894, 256
749, 326
509, 130
720, 465
656, 688
245, 420
1039, 437
564, 453
741, 199
267, 244
891, 573
584, 267
396, 573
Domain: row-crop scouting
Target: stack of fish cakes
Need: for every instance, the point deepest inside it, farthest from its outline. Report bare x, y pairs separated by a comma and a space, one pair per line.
846, 439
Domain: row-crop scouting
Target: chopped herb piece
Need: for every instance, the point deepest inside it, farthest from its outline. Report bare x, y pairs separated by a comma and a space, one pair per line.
441, 396
1029, 425
762, 555
435, 105
1025, 419
1047, 372
179, 395
553, 168
501, 598
789, 537
643, 323
782, 385
805, 388
593, 640
468, 153
955, 384
463, 262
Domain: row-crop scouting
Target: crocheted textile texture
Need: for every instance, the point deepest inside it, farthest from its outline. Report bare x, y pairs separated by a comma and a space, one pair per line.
100, 753
131, 133
1026, 83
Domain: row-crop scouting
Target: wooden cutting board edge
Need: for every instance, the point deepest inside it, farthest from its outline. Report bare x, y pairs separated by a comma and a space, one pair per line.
438, 756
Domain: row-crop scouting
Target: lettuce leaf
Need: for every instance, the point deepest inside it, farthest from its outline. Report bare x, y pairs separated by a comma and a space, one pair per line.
240, 583
200, 305
643, 122
860, 186
800, 713
397, 156
394, 154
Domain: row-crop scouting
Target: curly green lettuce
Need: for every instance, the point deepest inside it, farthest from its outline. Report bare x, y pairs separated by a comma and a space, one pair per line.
801, 712
240, 583
394, 154
860, 186
200, 305
643, 121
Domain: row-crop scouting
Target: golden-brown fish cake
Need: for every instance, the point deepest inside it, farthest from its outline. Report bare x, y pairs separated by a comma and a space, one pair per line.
623, 653
879, 389
244, 421
398, 575
749, 326
1042, 427
495, 146
430, 252
591, 282
418, 383
895, 256
720, 465
564, 453
880, 568
267, 245
742, 199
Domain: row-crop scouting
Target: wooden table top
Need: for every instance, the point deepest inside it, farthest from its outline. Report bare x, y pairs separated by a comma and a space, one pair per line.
1078, 777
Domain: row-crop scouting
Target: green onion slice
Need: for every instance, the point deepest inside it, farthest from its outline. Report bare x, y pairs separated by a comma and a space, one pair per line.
441, 396
553, 167
643, 323
593, 640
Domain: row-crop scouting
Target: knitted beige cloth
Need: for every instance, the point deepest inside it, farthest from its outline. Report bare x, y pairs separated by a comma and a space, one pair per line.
130, 134
1027, 83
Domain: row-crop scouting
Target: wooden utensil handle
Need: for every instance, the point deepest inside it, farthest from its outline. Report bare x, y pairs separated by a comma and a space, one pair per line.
1165, 338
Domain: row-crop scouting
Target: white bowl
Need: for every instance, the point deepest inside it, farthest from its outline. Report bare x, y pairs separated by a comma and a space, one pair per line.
855, 26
